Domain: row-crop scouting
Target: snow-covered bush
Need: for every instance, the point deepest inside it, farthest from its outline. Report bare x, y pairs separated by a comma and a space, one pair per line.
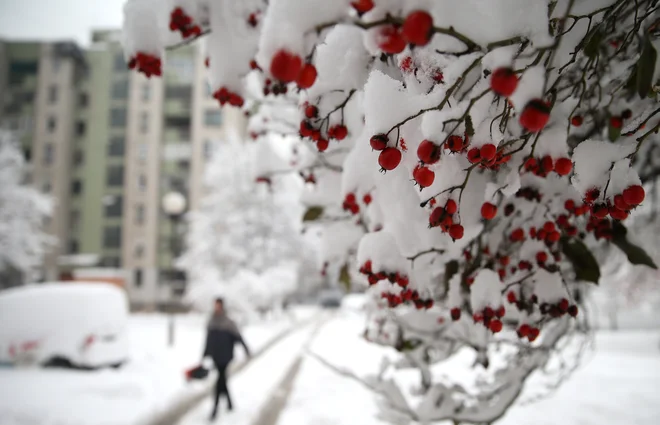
23, 210
246, 232
464, 157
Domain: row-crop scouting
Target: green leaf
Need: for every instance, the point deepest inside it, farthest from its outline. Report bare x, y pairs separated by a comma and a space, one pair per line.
345, 277
613, 133
635, 254
469, 127
584, 264
409, 344
313, 213
593, 45
646, 68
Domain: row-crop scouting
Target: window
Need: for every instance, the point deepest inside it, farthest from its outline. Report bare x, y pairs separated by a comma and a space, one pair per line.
120, 89
81, 128
178, 92
120, 63
115, 208
144, 122
139, 214
83, 100
146, 92
52, 94
73, 247
112, 237
51, 124
118, 117
49, 154
78, 158
142, 183
74, 220
76, 187
116, 146
143, 151
208, 149
182, 68
138, 272
212, 117
115, 175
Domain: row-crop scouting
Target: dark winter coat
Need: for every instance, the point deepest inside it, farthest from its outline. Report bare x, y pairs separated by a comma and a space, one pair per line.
222, 334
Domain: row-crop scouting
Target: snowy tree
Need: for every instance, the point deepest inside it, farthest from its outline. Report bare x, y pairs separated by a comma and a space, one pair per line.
245, 231
23, 211
468, 158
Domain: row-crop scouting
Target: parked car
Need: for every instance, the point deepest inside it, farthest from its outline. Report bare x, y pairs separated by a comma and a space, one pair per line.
330, 298
80, 325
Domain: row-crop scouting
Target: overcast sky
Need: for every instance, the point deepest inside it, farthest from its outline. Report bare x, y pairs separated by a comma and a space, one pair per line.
58, 19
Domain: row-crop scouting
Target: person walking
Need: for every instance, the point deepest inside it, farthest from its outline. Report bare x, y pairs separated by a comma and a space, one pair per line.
221, 336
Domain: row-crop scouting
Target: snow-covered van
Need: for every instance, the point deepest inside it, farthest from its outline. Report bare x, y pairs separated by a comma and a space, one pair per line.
70, 324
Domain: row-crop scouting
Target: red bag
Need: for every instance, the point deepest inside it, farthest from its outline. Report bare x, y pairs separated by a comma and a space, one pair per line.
197, 372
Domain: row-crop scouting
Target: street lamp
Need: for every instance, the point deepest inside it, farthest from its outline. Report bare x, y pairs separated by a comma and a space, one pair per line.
174, 205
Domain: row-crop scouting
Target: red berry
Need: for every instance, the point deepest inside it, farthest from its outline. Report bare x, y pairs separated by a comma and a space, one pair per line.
547, 163
563, 305
456, 231
620, 203
367, 199
500, 312
517, 235
454, 143
322, 144
599, 210
511, 297
592, 194
350, 198
616, 122
488, 151
563, 166
541, 257
495, 326
617, 214
311, 111
553, 237
417, 28
451, 207
576, 121
436, 217
307, 76
535, 115
569, 205
363, 6
634, 195
455, 313
423, 176
390, 40
503, 81
505, 260
389, 158
573, 310
533, 334
285, 66
378, 142
488, 211
428, 152
474, 155
339, 132
549, 226
523, 330
306, 129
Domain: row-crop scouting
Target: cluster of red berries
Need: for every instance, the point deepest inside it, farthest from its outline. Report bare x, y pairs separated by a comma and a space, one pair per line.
288, 67
543, 166
488, 156
417, 29
350, 204
547, 233
276, 89
529, 193
559, 308
147, 64
490, 318
389, 157
180, 21
224, 96
443, 217
617, 207
406, 294
311, 127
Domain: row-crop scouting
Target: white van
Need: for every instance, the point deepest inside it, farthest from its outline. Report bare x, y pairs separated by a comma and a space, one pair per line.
70, 324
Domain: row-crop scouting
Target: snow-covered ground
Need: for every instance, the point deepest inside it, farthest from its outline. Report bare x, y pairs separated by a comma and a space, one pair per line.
149, 383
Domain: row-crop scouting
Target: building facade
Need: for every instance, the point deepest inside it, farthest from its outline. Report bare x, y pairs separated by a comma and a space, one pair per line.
108, 144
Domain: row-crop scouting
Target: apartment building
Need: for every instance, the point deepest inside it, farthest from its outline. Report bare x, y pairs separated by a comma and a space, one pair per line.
120, 143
